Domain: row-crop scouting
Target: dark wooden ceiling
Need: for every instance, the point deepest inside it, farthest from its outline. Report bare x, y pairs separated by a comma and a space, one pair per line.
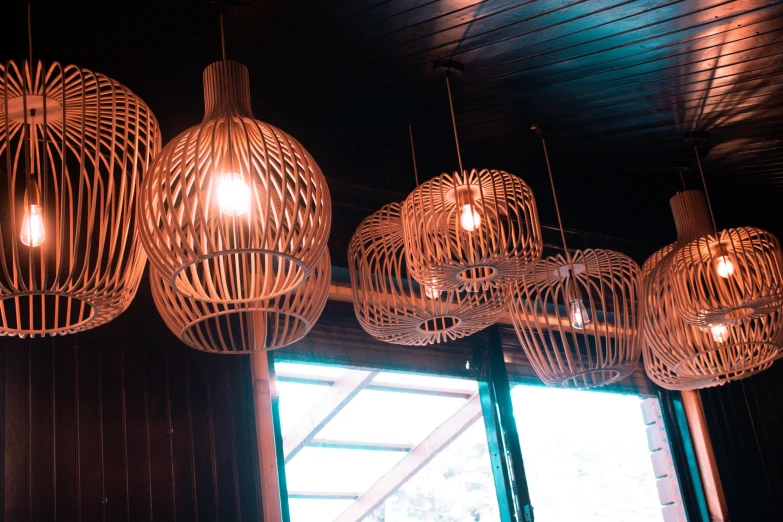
619, 81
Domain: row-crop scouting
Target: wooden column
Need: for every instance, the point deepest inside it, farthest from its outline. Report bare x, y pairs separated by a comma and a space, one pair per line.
263, 391
705, 456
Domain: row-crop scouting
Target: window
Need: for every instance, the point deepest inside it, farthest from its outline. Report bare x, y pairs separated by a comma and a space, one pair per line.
373, 446
587, 456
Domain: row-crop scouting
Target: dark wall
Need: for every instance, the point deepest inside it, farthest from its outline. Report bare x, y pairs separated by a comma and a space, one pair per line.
125, 423
746, 427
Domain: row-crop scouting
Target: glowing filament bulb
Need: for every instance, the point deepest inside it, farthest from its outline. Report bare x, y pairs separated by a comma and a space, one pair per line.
431, 293
720, 333
578, 314
32, 233
724, 267
233, 195
470, 218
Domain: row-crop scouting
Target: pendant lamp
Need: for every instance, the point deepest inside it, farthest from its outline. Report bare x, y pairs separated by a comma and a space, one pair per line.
576, 314
393, 307
472, 227
244, 328
74, 146
234, 210
723, 276
692, 355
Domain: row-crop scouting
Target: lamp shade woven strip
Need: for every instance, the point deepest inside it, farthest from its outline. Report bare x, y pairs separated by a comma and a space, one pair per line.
393, 307
722, 278
74, 146
493, 241
607, 348
249, 327
699, 356
234, 197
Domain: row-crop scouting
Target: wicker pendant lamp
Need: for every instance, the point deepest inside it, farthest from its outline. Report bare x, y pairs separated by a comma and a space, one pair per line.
244, 328
232, 198
576, 315
74, 146
391, 306
693, 356
472, 227
723, 276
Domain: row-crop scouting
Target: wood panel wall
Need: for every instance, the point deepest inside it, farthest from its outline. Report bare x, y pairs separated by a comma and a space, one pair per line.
745, 421
125, 423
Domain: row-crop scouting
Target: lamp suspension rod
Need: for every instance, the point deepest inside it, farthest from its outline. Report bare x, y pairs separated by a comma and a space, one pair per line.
413, 154
557, 206
454, 123
30, 33
706, 193
222, 38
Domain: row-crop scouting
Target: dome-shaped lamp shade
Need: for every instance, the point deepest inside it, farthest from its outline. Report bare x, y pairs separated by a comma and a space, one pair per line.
469, 228
578, 322
393, 307
234, 210
707, 354
249, 327
74, 146
721, 279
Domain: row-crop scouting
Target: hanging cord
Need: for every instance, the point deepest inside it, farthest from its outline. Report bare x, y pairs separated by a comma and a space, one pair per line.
413, 154
569, 260
454, 123
706, 193
222, 38
29, 33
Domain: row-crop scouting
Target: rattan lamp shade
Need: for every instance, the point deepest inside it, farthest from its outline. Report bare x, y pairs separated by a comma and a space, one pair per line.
696, 354
233, 198
394, 308
501, 242
607, 348
244, 328
707, 294
74, 146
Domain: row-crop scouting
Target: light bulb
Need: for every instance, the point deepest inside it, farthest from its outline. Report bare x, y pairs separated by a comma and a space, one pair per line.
32, 233
470, 218
233, 195
724, 267
720, 333
431, 293
578, 314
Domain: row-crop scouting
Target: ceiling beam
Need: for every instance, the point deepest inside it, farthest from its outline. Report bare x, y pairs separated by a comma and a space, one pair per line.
414, 461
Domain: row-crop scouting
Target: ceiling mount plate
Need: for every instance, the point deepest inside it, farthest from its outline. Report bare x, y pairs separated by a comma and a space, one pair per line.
541, 130
450, 66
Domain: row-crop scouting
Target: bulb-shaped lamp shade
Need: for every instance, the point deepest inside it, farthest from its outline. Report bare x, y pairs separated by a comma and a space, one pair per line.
580, 327
234, 210
74, 146
248, 327
393, 307
686, 355
473, 227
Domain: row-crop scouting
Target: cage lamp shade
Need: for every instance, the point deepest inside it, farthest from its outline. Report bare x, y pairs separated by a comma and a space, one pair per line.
74, 146
234, 210
601, 344
721, 278
247, 327
393, 307
471, 228
691, 354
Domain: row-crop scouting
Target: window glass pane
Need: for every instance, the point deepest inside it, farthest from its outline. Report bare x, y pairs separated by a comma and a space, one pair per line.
392, 447
586, 455
395, 417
